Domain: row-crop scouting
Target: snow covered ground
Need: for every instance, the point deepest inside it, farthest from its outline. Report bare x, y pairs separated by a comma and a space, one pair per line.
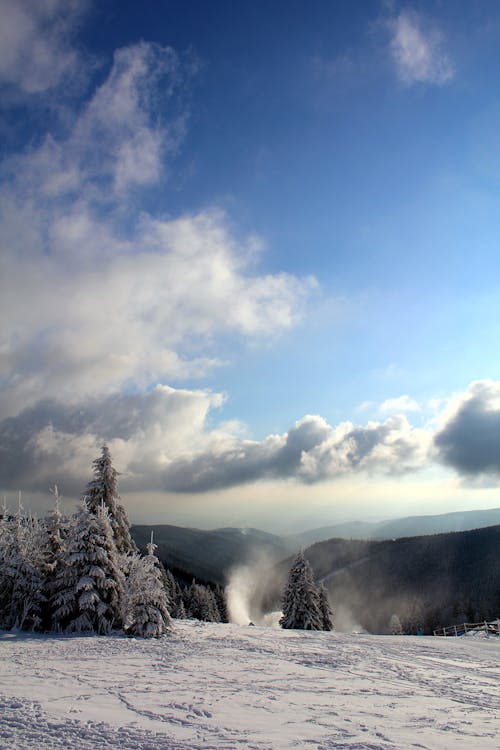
212, 686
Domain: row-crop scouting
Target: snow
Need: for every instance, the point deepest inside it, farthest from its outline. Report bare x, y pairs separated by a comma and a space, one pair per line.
209, 686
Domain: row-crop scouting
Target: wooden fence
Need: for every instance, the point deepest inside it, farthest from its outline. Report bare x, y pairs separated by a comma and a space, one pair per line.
490, 628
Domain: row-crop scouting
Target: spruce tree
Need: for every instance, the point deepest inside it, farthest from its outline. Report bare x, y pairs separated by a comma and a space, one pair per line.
103, 489
220, 596
23, 567
395, 627
89, 584
325, 609
146, 601
301, 608
56, 526
8, 544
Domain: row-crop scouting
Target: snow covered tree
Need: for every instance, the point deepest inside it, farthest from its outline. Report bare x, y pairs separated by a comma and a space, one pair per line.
103, 489
413, 619
179, 612
146, 601
56, 526
301, 609
220, 598
213, 609
325, 609
89, 584
201, 604
395, 627
8, 544
23, 555
174, 594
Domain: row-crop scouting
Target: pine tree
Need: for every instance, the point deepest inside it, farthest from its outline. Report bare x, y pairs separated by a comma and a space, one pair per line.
201, 604
220, 596
89, 585
213, 609
23, 564
146, 607
56, 526
325, 609
104, 489
174, 594
395, 627
8, 544
180, 612
301, 609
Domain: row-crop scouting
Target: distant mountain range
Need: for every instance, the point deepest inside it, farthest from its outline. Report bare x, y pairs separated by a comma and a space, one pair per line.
400, 527
210, 555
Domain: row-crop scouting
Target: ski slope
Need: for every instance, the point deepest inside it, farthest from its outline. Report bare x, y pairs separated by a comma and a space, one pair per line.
210, 686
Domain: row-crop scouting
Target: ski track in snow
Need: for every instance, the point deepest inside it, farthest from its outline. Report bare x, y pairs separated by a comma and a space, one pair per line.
214, 687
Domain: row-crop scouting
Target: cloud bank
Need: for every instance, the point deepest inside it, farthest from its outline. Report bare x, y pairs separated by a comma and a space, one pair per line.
163, 440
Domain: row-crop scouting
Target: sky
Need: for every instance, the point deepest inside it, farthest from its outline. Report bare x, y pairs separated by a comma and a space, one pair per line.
254, 248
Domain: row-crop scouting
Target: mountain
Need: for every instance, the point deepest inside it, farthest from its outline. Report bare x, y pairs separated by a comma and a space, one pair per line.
428, 581
399, 527
208, 555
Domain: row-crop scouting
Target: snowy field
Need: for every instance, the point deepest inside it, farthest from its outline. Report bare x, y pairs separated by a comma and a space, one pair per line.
224, 686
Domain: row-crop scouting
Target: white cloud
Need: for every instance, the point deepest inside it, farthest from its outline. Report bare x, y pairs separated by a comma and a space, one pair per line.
118, 141
100, 301
167, 440
400, 405
35, 42
161, 440
418, 51
127, 314
102, 307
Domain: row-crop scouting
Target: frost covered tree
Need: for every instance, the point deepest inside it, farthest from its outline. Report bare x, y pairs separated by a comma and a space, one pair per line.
395, 627
220, 598
56, 526
146, 601
8, 544
174, 594
325, 609
180, 612
88, 589
23, 558
201, 604
103, 489
301, 609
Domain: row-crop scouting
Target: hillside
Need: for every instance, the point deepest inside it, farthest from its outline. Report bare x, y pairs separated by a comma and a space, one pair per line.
208, 555
225, 687
428, 581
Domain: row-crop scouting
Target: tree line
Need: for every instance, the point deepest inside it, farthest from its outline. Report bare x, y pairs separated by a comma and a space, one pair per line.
84, 573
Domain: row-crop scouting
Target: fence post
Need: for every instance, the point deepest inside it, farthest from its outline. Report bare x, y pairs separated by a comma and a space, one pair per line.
456, 634
465, 628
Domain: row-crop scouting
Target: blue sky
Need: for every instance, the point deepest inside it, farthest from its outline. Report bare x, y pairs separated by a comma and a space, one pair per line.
254, 247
